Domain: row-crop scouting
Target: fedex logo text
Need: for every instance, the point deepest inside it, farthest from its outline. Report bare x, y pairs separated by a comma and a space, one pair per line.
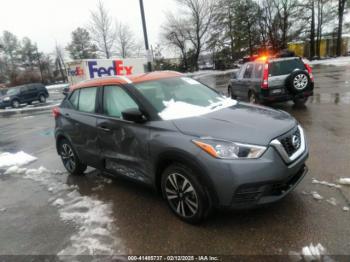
117, 68
78, 71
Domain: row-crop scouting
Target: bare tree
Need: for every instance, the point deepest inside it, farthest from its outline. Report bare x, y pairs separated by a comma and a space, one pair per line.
59, 61
125, 40
102, 30
199, 15
175, 34
341, 9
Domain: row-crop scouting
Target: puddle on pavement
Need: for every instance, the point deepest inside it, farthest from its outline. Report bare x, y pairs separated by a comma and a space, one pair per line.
332, 98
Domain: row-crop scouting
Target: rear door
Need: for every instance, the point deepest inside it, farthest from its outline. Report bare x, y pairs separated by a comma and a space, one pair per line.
236, 83
124, 146
79, 124
247, 80
24, 94
32, 92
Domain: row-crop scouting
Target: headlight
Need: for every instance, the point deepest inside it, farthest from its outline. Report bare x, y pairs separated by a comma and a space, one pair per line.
229, 150
6, 99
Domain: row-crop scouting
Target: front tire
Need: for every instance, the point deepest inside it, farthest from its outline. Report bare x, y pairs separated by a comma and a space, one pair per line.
42, 99
70, 159
15, 103
184, 194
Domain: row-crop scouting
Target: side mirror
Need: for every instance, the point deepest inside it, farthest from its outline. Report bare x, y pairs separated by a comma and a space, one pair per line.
134, 115
65, 91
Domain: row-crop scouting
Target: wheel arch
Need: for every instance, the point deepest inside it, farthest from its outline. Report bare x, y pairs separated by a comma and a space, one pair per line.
171, 157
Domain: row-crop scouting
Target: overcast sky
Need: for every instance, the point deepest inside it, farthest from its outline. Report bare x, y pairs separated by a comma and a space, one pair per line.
49, 21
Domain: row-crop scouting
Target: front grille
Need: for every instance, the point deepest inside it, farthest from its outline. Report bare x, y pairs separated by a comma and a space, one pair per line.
287, 142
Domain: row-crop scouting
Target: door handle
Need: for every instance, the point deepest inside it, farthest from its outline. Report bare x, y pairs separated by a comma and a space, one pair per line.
104, 128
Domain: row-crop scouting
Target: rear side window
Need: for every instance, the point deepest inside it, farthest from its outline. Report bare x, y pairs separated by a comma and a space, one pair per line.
116, 100
248, 71
74, 99
285, 67
258, 69
87, 100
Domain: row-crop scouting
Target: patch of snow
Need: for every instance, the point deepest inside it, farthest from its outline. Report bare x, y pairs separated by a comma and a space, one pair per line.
17, 159
339, 61
28, 108
315, 181
3, 209
58, 86
332, 201
316, 195
15, 170
178, 109
58, 202
92, 217
344, 181
313, 253
97, 188
346, 209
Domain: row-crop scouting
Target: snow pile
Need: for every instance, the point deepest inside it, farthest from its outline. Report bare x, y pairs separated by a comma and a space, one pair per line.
325, 183
92, 217
316, 195
178, 109
344, 181
15, 160
332, 201
310, 253
313, 253
339, 61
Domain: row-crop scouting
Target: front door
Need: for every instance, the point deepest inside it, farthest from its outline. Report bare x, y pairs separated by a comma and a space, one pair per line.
123, 144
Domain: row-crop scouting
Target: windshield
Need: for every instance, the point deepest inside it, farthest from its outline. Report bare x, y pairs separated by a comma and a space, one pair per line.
182, 97
12, 91
285, 67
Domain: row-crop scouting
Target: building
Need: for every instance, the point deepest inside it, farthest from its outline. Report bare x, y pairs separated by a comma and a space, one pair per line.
328, 46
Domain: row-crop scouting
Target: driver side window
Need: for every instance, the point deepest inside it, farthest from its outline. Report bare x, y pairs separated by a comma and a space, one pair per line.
116, 100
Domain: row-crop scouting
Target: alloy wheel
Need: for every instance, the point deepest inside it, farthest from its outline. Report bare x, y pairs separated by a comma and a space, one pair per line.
42, 99
68, 157
16, 104
300, 81
181, 195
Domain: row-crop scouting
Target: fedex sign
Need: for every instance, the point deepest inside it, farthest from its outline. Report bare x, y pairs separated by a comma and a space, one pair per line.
116, 68
78, 71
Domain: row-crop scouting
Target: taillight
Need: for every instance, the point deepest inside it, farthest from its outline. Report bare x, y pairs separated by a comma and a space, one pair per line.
56, 112
265, 82
309, 70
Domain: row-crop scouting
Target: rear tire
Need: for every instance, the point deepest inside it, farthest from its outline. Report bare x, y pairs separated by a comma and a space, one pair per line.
70, 158
185, 195
42, 99
252, 98
300, 101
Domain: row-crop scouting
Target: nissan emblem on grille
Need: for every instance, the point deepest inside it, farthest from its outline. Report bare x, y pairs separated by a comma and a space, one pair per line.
296, 141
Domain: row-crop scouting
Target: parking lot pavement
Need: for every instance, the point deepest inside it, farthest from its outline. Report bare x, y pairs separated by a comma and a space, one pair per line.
50, 212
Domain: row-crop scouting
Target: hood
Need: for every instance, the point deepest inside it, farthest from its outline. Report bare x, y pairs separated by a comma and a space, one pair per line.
243, 123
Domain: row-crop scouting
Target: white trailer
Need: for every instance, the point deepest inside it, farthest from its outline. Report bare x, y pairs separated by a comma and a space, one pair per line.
81, 70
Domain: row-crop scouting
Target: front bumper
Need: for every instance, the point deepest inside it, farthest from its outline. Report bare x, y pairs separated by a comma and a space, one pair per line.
4, 104
250, 183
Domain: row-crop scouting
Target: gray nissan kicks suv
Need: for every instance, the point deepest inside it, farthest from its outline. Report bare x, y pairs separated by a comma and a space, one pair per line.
267, 80
199, 149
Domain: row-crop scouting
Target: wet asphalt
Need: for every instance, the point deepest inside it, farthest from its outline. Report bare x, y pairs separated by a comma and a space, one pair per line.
142, 222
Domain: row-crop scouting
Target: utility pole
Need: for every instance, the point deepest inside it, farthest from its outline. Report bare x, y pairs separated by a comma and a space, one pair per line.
39, 62
149, 64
